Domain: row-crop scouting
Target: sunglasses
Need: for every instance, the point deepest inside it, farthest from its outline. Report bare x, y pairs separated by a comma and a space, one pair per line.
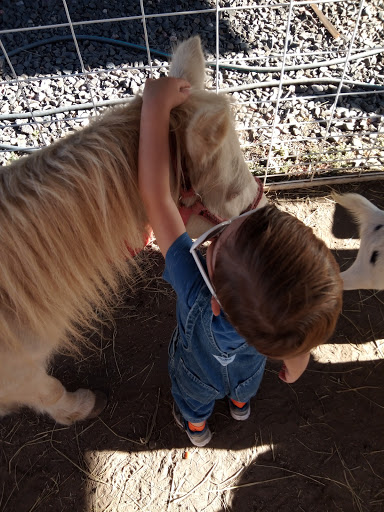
211, 234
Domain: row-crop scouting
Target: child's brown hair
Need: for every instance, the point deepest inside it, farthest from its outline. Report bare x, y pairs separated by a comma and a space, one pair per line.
279, 284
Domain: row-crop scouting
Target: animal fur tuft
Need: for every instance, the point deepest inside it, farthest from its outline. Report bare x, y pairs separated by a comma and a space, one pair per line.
65, 215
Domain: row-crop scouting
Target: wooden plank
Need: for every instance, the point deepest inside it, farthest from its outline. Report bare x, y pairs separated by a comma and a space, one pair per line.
325, 21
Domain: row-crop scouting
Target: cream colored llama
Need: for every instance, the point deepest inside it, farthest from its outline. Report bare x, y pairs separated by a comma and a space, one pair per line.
67, 215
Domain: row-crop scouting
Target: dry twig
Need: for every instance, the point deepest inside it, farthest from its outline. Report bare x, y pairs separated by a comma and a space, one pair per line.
325, 21
178, 500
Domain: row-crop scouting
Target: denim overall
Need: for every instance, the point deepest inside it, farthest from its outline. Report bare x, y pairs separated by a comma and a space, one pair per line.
201, 373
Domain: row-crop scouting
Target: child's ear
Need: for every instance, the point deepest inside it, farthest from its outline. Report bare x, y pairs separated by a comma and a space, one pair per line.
215, 306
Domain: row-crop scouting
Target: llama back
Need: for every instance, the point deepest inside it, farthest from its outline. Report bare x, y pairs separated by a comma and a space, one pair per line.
66, 215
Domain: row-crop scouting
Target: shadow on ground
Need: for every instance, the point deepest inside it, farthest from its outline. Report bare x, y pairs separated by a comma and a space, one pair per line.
315, 445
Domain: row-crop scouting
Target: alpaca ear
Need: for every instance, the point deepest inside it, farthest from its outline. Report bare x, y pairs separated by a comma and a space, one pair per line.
207, 132
188, 62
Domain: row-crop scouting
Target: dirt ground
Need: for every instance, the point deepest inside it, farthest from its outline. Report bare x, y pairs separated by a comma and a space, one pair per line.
314, 446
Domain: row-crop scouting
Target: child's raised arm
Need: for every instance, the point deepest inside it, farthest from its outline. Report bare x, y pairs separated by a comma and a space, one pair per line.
159, 98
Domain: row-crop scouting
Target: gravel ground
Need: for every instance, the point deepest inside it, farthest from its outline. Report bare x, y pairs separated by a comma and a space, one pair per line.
304, 139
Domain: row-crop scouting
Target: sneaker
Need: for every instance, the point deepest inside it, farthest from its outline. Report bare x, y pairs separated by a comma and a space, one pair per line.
239, 413
197, 438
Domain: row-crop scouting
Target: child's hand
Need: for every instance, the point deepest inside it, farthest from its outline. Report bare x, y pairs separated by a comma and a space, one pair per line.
165, 93
293, 368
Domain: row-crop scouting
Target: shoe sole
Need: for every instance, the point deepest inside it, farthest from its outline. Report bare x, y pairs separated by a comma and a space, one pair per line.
239, 417
193, 440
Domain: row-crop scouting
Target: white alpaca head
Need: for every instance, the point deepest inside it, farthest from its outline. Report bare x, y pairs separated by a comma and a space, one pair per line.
367, 271
213, 157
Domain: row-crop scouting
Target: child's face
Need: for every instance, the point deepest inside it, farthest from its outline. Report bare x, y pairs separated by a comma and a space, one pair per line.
212, 252
218, 242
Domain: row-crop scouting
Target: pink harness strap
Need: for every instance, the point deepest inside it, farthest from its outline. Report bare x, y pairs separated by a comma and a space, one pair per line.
199, 209
146, 239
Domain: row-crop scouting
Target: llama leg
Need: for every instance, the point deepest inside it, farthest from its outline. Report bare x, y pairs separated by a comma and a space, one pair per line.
31, 386
25, 382
63, 406
7, 409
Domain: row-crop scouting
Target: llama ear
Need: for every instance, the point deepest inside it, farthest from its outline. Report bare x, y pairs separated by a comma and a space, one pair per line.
188, 62
206, 133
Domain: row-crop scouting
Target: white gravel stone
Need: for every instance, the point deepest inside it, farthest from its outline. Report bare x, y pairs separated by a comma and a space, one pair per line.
254, 33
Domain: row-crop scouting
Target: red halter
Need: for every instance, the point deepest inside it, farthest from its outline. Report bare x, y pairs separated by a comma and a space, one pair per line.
197, 208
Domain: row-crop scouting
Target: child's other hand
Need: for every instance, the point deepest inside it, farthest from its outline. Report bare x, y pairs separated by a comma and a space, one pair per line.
293, 368
166, 93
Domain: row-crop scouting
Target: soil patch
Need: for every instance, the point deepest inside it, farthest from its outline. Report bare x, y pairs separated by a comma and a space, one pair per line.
316, 445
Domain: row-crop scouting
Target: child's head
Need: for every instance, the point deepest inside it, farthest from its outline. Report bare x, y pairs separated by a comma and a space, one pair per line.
278, 283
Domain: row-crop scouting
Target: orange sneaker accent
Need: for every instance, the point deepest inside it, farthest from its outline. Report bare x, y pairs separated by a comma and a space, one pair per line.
240, 405
195, 428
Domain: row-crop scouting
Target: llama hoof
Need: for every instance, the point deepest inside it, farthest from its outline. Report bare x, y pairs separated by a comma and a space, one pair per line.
100, 403
80, 405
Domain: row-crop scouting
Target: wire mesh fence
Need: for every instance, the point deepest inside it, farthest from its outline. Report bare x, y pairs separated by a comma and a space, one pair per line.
307, 79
